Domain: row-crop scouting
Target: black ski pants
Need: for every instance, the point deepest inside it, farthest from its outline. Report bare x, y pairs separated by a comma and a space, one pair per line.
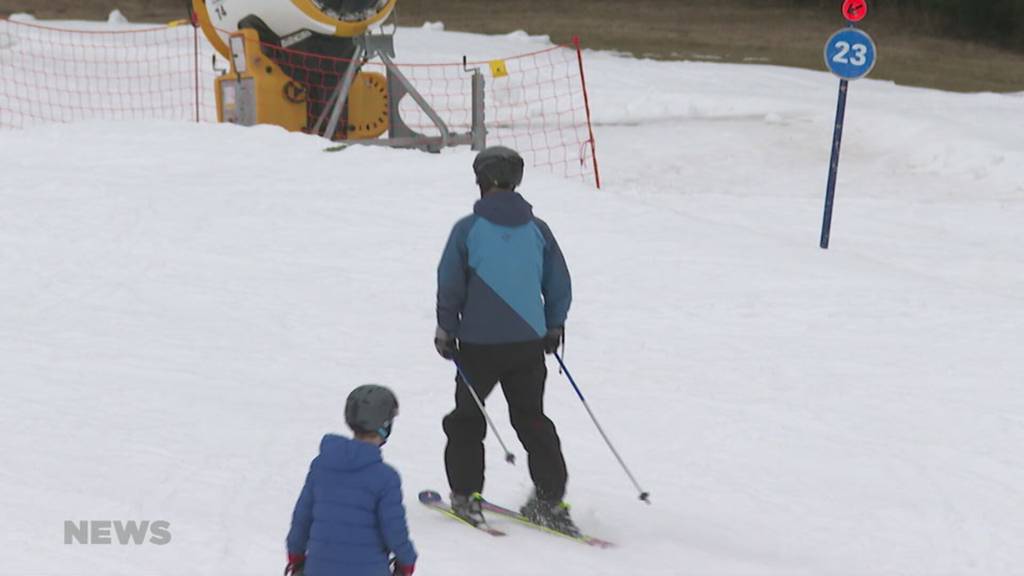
520, 369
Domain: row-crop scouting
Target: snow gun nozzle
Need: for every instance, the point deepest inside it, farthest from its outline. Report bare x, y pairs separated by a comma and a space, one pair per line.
646, 497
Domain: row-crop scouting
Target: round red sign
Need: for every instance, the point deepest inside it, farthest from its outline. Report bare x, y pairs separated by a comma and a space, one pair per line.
855, 10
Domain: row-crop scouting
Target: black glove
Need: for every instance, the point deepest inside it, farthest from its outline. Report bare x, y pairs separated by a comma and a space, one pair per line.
446, 344
553, 339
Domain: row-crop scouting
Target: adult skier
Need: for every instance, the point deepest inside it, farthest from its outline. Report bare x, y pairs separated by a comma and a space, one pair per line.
349, 517
502, 298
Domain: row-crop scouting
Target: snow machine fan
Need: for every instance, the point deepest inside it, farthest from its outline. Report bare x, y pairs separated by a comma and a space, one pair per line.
298, 64
288, 22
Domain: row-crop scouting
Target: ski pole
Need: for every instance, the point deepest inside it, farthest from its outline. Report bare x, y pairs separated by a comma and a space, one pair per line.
509, 457
644, 496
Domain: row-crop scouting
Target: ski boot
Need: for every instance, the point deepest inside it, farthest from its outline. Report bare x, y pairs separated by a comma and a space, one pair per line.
553, 515
468, 508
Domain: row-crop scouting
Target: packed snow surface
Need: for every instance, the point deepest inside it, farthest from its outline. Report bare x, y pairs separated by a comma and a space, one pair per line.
183, 309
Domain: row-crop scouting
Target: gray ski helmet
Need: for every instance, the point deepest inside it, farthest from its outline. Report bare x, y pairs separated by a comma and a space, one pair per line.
371, 408
498, 166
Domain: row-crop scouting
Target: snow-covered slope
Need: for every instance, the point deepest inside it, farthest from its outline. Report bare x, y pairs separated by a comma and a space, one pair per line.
183, 309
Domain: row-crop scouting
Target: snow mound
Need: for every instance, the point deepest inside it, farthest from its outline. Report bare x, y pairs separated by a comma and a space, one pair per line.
116, 17
184, 307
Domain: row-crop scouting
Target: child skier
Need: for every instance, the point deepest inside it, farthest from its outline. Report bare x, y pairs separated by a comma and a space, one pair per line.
350, 516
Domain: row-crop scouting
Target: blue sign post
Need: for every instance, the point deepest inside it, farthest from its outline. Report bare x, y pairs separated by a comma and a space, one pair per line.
850, 54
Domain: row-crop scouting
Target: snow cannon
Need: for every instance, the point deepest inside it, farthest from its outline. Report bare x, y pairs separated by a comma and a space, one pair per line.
299, 64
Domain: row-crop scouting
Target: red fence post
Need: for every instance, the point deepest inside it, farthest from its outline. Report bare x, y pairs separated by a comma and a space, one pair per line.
586, 103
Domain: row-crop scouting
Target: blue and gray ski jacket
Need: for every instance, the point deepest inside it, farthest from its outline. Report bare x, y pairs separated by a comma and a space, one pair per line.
502, 277
350, 516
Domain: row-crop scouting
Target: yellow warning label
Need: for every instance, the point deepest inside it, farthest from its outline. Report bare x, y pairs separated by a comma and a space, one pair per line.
498, 69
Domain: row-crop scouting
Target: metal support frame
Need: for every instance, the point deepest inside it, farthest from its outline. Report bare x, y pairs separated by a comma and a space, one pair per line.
400, 135
339, 97
394, 72
479, 119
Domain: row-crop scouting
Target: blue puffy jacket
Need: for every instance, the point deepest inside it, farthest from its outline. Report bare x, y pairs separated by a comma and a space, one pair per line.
350, 516
502, 277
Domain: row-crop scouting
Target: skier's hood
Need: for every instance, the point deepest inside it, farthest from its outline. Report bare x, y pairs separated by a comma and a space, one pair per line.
504, 208
343, 453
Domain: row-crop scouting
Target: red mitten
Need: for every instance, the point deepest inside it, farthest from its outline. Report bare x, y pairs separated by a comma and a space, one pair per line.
295, 563
404, 570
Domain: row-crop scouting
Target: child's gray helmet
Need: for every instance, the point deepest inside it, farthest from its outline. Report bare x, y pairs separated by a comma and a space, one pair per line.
371, 408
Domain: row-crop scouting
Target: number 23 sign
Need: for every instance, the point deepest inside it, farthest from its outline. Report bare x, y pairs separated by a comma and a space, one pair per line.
850, 53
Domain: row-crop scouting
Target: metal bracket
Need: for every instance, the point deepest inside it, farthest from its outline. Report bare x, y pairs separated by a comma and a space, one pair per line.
377, 44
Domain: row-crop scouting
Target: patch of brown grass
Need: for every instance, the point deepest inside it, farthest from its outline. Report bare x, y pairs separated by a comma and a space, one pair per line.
760, 31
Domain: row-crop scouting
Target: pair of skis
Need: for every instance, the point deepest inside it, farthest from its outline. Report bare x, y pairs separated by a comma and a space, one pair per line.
435, 501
